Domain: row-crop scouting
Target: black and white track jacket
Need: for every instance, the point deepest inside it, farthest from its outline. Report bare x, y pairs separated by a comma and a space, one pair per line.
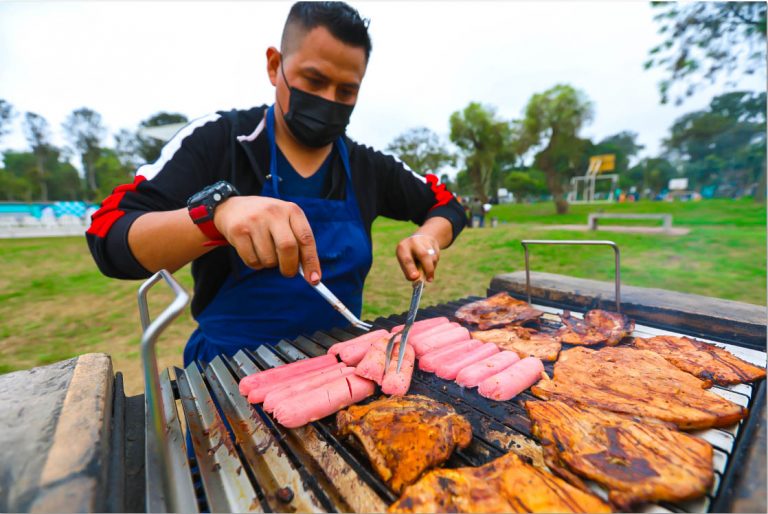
202, 153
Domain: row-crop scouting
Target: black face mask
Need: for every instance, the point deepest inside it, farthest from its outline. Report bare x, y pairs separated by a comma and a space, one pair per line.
313, 120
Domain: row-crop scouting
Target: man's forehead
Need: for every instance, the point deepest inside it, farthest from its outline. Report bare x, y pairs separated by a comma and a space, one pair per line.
319, 48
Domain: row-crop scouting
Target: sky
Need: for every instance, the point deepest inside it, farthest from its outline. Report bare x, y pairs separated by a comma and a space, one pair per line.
129, 60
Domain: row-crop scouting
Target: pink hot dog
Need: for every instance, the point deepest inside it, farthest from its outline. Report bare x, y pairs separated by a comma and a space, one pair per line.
507, 384
372, 365
425, 344
449, 368
257, 394
285, 371
395, 383
472, 375
452, 351
275, 396
429, 331
425, 324
323, 401
354, 353
370, 336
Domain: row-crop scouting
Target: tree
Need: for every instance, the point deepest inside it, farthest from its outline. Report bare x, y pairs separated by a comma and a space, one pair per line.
110, 172
422, 150
725, 145
37, 132
6, 117
552, 120
482, 137
148, 148
84, 129
652, 175
707, 40
524, 183
19, 179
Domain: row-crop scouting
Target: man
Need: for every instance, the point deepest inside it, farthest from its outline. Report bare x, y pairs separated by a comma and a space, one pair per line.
248, 196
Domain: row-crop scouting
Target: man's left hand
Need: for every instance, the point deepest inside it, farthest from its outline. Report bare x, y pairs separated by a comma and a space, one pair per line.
418, 250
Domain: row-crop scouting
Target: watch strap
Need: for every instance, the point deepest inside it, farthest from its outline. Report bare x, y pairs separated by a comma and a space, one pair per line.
207, 227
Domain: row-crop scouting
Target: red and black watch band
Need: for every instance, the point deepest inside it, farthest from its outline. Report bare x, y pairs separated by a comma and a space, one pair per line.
207, 227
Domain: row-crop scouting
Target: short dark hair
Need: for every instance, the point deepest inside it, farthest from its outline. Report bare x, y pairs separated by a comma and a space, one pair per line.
341, 20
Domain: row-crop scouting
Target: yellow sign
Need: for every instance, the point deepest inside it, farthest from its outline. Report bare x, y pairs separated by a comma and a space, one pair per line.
601, 163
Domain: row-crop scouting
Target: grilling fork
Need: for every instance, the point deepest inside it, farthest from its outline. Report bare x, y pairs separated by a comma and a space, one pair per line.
418, 288
337, 304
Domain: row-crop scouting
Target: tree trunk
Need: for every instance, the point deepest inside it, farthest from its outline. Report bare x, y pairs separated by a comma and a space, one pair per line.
41, 178
761, 186
476, 174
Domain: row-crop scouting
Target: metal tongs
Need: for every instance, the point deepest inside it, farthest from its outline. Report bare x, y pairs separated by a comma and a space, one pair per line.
337, 304
418, 288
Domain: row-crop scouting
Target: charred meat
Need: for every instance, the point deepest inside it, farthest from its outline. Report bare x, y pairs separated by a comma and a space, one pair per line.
405, 436
598, 326
635, 461
496, 311
506, 484
523, 341
639, 383
706, 361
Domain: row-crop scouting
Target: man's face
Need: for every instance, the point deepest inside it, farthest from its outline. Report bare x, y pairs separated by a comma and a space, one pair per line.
321, 65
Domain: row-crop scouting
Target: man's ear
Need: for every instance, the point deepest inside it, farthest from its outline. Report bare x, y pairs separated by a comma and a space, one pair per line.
273, 64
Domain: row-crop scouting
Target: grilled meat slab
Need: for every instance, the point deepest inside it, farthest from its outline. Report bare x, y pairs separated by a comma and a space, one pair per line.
506, 484
496, 311
636, 461
598, 326
704, 360
523, 341
405, 435
637, 382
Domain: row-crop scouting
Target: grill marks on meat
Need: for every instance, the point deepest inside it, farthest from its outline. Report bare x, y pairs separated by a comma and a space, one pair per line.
523, 341
637, 382
405, 436
496, 311
506, 484
598, 326
706, 361
637, 462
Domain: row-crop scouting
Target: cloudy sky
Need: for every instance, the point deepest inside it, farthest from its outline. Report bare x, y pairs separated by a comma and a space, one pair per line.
128, 60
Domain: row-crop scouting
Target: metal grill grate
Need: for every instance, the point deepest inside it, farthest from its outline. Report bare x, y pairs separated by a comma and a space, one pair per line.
269, 468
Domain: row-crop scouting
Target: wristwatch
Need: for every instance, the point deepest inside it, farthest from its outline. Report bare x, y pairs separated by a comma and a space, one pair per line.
202, 205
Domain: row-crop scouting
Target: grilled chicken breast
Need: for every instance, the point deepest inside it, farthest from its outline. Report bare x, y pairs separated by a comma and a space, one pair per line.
496, 311
636, 461
523, 341
640, 383
598, 326
405, 436
506, 484
704, 360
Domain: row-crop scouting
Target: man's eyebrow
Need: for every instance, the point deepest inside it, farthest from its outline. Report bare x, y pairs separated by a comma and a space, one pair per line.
311, 70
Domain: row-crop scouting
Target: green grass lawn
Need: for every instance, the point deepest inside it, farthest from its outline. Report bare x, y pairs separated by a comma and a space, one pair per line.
54, 304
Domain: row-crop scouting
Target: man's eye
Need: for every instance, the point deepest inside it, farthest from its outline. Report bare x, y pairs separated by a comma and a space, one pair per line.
315, 82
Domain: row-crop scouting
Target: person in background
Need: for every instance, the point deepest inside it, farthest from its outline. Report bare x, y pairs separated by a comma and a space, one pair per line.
247, 196
477, 210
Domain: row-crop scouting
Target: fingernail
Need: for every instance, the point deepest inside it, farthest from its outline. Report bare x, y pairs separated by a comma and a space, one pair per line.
314, 277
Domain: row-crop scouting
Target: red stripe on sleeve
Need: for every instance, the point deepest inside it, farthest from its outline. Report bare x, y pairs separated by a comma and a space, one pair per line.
442, 195
103, 219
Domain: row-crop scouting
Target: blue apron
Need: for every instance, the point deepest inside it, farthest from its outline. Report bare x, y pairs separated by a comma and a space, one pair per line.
262, 307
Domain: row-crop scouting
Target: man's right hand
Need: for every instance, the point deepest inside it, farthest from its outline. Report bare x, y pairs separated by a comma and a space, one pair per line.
267, 232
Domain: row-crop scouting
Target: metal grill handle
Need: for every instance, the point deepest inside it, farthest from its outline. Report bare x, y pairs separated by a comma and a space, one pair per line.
177, 497
613, 245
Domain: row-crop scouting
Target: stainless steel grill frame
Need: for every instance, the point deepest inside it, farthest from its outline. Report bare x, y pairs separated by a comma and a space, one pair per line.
244, 461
